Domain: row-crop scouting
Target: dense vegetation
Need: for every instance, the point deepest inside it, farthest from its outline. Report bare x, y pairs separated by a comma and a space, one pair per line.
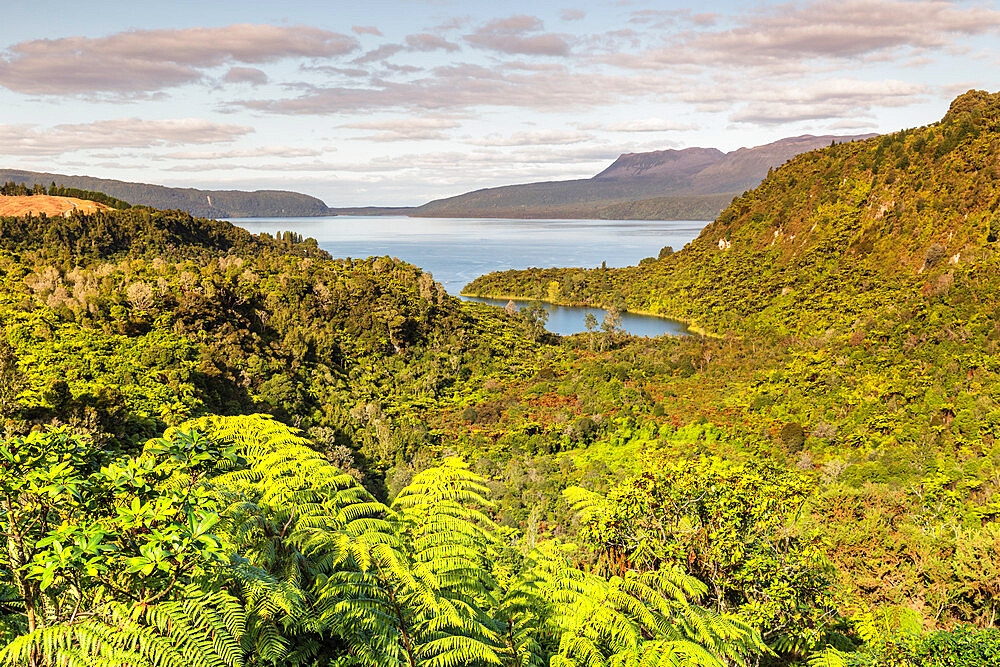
864, 279
221, 449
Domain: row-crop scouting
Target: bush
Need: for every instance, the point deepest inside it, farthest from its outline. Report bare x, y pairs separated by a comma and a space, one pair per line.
935, 253
583, 430
965, 646
792, 437
994, 231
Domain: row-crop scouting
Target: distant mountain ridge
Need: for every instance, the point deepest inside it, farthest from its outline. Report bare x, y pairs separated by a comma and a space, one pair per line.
202, 203
661, 164
667, 184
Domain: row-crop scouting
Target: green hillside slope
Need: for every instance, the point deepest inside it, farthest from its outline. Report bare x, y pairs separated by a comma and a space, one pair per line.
121, 322
858, 287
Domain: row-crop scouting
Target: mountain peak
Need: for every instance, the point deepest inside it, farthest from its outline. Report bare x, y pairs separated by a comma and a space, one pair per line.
659, 164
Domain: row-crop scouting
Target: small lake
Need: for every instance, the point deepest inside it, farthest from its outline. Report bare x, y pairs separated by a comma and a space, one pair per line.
458, 250
566, 320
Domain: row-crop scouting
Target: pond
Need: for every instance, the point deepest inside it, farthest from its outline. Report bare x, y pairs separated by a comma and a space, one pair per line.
566, 320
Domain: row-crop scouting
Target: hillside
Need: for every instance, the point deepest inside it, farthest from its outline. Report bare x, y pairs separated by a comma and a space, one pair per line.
859, 287
665, 166
206, 203
665, 185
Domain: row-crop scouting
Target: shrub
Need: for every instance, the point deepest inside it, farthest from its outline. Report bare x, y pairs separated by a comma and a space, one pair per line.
935, 253
792, 437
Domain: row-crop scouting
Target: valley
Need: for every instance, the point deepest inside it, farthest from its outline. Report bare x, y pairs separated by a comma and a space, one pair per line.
232, 448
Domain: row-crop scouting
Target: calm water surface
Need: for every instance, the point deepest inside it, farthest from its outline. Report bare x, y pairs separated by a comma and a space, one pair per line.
566, 320
456, 251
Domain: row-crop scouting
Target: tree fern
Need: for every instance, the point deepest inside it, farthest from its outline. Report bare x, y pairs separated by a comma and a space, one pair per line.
637, 619
294, 521
585, 503
204, 630
317, 568
828, 657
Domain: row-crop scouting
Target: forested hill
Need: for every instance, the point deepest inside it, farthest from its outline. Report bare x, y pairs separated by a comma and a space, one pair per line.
123, 321
835, 235
206, 203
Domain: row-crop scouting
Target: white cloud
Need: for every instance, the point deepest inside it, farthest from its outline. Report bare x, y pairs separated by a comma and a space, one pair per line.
513, 35
140, 61
645, 125
406, 129
27, 140
263, 151
536, 138
823, 29
832, 98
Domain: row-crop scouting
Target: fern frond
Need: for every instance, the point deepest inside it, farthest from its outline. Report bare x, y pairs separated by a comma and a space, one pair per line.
828, 657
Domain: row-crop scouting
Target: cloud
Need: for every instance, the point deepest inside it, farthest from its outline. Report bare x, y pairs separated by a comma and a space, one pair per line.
466, 85
823, 29
572, 14
513, 25
849, 29
141, 61
705, 18
428, 42
366, 30
349, 72
832, 98
657, 18
27, 140
848, 124
245, 75
381, 53
454, 23
419, 42
406, 129
645, 125
316, 165
537, 138
509, 35
263, 151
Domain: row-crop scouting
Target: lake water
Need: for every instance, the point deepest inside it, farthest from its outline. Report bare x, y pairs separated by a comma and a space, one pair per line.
566, 320
456, 251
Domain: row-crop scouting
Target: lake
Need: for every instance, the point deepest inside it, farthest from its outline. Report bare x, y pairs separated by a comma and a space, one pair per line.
456, 251
566, 320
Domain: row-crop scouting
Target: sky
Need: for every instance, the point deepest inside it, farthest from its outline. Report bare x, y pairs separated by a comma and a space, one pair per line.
397, 102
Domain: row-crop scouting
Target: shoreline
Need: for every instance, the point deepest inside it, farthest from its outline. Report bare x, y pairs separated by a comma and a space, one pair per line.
692, 326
